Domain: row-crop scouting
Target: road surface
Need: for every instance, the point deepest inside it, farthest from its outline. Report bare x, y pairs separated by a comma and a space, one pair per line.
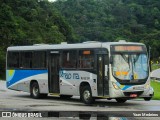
155, 74
19, 101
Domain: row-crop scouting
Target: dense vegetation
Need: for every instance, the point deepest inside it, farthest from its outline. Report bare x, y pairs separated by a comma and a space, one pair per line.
111, 20
24, 22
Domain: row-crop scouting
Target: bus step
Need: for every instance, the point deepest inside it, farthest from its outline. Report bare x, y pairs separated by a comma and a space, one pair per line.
54, 94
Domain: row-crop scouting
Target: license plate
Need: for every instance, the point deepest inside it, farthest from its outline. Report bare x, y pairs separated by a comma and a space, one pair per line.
133, 95
138, 88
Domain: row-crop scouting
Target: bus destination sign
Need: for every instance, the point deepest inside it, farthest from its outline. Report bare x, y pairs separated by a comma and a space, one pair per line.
130, 48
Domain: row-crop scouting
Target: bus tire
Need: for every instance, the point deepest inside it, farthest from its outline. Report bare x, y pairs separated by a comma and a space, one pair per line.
120, 100
34, 90
147, 98
86, 95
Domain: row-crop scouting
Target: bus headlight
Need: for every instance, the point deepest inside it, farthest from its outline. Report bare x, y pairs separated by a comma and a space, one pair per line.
115, 86
147, 85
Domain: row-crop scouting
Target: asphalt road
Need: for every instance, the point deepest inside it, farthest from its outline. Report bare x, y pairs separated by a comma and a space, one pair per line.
155, 74
19, 101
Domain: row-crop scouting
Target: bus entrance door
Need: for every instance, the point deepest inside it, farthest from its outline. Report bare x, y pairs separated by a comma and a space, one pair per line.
54, 73
103, 74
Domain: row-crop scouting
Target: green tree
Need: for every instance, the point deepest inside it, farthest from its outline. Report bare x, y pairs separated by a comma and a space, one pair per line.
27, 22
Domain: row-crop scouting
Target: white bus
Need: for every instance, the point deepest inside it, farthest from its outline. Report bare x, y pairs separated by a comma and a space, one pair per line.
111, 70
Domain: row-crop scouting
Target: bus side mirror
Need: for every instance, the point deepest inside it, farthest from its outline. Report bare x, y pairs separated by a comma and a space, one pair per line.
111, 60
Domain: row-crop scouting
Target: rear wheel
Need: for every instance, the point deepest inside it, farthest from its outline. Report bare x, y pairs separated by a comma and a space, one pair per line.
120, 100
86, 95
35, 91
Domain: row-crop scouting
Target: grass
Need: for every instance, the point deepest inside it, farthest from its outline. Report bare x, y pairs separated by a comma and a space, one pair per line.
155, 66
156, 87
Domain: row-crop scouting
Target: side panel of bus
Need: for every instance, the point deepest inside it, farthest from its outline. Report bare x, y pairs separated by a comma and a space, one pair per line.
24, 67
91, 67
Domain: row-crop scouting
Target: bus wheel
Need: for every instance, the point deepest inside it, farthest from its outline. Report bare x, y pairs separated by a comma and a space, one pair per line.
147, 98
35, 92
86, 95
120, 100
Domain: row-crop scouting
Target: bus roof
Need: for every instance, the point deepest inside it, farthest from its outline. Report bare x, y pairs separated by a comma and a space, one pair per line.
68, 46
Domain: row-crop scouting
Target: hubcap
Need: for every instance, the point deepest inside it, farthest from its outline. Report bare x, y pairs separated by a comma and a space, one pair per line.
86, 95
35, 91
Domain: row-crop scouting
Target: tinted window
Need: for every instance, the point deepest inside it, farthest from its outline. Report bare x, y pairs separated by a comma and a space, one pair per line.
39, 59
86, 59
13, 60
69, 59
26, 60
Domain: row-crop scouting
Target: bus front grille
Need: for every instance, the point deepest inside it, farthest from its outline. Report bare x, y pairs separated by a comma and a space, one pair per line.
127, 94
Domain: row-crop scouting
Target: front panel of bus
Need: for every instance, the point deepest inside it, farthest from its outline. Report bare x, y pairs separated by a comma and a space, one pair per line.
130, 71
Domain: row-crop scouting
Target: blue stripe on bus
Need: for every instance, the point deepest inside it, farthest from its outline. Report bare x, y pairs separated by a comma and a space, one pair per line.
123, 87
14, 76
126, 87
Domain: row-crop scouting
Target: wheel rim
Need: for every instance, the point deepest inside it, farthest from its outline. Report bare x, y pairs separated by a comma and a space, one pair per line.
35, 91
86, 95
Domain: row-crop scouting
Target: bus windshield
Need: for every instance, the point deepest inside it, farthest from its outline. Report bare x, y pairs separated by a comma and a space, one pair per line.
130, 66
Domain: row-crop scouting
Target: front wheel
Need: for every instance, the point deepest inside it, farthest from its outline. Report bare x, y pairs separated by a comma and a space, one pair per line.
120, 100
86, 95
147, 98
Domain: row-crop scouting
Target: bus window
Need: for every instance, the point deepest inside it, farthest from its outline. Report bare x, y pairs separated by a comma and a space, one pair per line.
13, 60
39, 59
86, 59
26, 60
69, 59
